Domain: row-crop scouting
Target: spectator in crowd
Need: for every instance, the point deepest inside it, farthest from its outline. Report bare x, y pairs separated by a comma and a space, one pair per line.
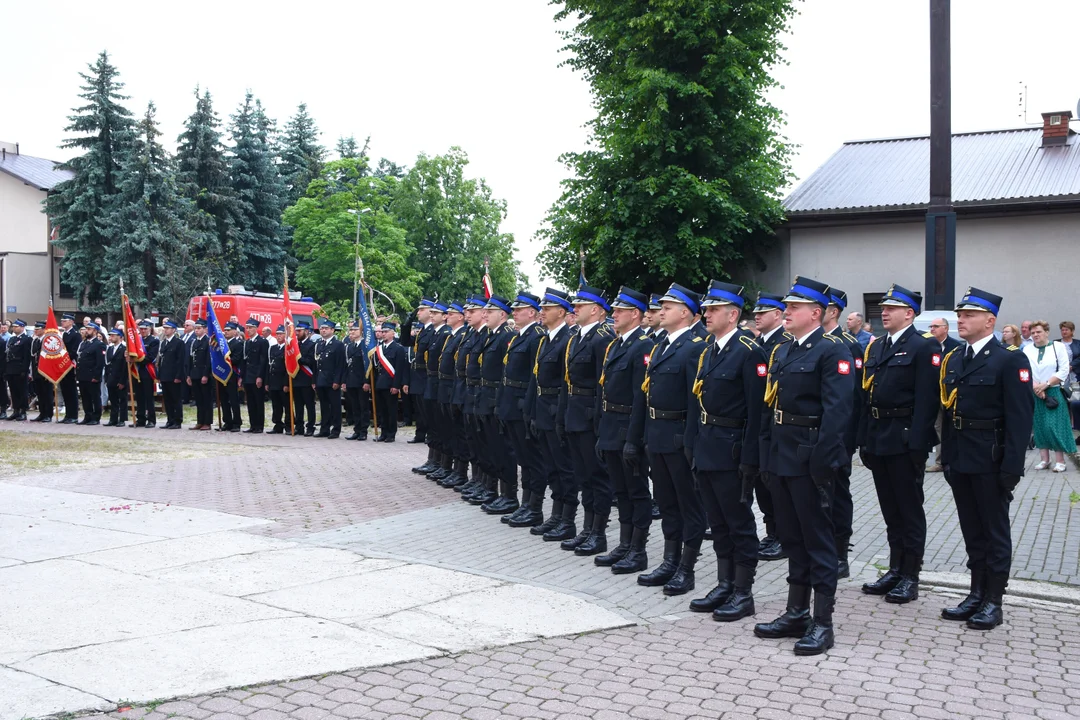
855, 328
1010, 336
939, 328
5, 331
266, 333
1068, 329
1049, 370
1025, 334
86, 321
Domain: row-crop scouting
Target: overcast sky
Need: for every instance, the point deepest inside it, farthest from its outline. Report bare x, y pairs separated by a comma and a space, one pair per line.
423, 75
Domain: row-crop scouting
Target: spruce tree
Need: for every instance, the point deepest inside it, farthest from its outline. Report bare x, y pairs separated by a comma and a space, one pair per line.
256, 255
77, 207
347, 148
302, 157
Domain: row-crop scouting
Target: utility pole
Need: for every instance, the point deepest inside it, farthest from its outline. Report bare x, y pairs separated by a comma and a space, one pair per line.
940, 218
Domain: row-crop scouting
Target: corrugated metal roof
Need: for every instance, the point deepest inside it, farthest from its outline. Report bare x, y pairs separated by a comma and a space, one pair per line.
1003, 166
38, 172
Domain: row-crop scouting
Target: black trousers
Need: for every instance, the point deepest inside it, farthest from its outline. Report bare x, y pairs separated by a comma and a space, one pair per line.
91, 400
593, 481
171, 392
5, 397
46, 398
279, 398
806, 532
631, 490
69, 390
681, 514
431, 423
420, 413
386, 407
527, 456
898, 480
145, 411
983, 509
330, 410
500, 449
118, 405
361, 408
256, 405
230, 403
20, 402
203, 395
843, 510
731, 520
303, 403
560, 473
765, 505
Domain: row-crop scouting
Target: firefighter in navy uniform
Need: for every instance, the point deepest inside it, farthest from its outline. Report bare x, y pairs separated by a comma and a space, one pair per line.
802, 450
419, 344
470, 352
199, 377
46, 395
390, 366
769, 321
987, 395
578, 414
69, 387
277, 384
171, 365
620, 435
145, 391
356, 370
843, 506
230, 393
17, 369
429, 368
669, 384
896, 433
501, 467
304, 383
730, 390
451, 434
517, 370
256, 364
116, 379
541, 408
462, 397
90, 366
330, 363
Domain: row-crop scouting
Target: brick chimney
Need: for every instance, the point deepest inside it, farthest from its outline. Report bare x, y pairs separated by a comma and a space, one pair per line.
1056, 127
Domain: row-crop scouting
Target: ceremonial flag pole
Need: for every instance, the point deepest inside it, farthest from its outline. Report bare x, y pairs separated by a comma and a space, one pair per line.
135, 348
489, 290
366, 322
292, 349
53, 360
220, 356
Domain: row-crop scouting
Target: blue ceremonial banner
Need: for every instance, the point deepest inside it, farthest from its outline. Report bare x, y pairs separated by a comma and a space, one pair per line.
366, 321
220, 366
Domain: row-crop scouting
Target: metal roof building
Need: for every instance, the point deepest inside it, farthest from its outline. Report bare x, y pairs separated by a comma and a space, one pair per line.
36, 172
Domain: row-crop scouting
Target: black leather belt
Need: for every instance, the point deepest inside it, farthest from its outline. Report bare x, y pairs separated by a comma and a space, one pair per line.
472, 383
666, 414
783, 418
461, 374
491, 383
886, 413
547, 391
707, 419
445, 376
586, 392
961, 423
515, 383
433, 373
621, 409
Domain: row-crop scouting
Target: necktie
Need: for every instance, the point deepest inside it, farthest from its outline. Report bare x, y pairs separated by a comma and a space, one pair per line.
663, 347
970, 354
888, 344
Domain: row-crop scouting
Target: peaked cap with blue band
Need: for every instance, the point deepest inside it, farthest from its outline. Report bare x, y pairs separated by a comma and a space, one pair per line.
654, 301
67, 316
685, 296
586, 295
499, 303
902, 297
20, 322
526, 300
438, 307
556, 298
768, 301
455, 308
837, 297
327, 323
722, 293
145, 323
630, 299
41, 324
808, 290
976, 299
389, 326
170, 323
200, 322
425, 303
473, 303
114, 331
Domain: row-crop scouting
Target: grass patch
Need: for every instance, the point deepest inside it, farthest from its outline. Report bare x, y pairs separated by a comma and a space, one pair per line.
1074, 497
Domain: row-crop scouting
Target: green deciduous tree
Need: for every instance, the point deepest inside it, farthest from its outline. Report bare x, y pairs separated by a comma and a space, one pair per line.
453, 222
78, 207
325, 232
682, 177
302, 156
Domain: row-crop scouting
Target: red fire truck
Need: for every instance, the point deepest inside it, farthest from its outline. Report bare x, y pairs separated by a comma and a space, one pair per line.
244, 304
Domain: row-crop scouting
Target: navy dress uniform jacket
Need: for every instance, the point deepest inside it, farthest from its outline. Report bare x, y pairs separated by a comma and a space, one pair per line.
307, 360
398, 358
236, 358
420, 346
199, 359
858, 400
994, 386
355, 365
172, 360
730, 387
624, 374
670, 378
518, 363
492, 354
90, 363
904, 377
542, 400
17, 355
816, 380
116, 365
277, 378
256, 359
150, 345
448, 348
430, 371
472, 369
330, 363
584, 366
461, 364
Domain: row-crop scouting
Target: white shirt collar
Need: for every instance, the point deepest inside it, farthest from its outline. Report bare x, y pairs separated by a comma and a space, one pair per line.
980, 344
896, 336
553, 333
587, 328
673, 336
454, 331
721, 342
804, 338
765, 336
522, 330
626, 336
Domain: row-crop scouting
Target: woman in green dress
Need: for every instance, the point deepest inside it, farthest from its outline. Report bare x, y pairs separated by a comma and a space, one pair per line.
1049, 369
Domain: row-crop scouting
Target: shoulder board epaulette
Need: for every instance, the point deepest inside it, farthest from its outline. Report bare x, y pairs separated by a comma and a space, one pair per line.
1013, 347
747, 342
539, 330
697, 339
831, 338
928, 334
848, 337
603, 330
788, 336
643, 336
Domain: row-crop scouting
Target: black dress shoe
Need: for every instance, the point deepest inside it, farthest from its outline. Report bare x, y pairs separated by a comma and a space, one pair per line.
796, 618
564, 530
276, 431
69, 421
770, 549
235, 429
49, 419
333, 436
389, 439
254, 431
92, 422
309, 433
416, 441
665, 570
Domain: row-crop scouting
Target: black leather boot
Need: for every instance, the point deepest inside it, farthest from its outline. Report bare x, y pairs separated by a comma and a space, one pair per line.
478, 487
552, 521
971, 604
636, 560
533, 516
487, 493
907, 590
524, 508
505, 503
842, 568
794, 621
819, 636
586, 531
626, 532
682, 581
596, 543
769, 548
565, 528
666, 570
429, 465
719, 594
740, 603
990, 615
457, 476
888, 581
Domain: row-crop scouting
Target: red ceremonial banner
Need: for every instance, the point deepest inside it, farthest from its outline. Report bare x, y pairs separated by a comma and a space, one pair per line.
54, 362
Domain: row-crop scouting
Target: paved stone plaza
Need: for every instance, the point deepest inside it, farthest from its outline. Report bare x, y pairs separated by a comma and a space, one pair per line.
275, 558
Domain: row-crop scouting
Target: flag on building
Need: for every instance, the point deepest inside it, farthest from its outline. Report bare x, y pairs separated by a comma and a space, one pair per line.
220, 357
54, 362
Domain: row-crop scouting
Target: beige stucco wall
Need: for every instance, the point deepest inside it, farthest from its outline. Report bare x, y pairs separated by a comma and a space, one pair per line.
25, 286
23, 227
